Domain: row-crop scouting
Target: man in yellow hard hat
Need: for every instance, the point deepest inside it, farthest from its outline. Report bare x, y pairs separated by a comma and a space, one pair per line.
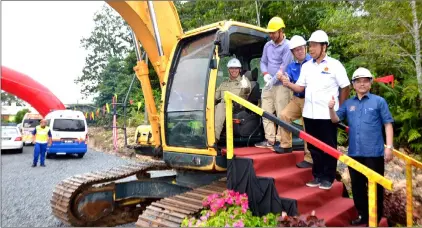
275, 58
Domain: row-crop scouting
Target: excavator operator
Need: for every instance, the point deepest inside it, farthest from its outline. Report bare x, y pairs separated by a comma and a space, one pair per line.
240, 86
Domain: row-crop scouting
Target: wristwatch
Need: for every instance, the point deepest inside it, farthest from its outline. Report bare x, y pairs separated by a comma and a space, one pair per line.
390, 147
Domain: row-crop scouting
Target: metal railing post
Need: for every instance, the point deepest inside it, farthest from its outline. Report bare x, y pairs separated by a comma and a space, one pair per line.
372, 203
229, 125
409, 194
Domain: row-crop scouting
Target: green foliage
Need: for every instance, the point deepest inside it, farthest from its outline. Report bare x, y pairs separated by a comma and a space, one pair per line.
19, 116
8, 99
376, 35
109, 39
342, 137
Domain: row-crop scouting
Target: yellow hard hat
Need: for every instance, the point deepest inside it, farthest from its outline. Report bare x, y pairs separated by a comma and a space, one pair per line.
275, 24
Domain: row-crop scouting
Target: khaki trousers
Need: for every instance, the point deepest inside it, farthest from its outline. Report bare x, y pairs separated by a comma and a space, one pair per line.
219, 118
291, 112
274, 99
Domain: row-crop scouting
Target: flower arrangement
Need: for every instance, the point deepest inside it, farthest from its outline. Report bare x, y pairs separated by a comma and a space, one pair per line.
231, 209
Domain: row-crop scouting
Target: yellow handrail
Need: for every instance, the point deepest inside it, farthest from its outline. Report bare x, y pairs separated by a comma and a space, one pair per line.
409, 192
373, 177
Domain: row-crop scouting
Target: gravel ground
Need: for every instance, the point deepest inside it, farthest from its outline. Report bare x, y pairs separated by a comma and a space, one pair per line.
26, 191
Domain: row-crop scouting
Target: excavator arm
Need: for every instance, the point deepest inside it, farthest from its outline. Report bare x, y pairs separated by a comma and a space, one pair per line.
157, 26
137, 15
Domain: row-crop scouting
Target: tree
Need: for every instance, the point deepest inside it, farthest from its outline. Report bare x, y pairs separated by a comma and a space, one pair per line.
370, 34
8, 99
19, 116
109, 39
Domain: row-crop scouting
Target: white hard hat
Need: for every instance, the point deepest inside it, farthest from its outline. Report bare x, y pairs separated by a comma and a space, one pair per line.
361, 73
319, 36
234, 63
296, 41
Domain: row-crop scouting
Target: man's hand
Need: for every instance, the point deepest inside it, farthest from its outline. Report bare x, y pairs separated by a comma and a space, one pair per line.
243, 83
285, 79
332, 103
279, 74
267, 77
388, 154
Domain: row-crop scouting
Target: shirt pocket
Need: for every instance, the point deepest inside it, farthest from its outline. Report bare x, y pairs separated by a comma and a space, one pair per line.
326, 80
370, 116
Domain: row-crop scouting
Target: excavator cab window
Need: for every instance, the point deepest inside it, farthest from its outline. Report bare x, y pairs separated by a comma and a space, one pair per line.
255, 63
186, 92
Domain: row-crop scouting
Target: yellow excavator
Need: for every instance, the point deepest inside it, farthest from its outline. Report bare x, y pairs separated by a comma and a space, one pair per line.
190, 65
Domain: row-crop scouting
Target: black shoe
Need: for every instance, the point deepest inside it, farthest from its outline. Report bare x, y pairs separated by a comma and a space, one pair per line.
42, 165
359, 221
281, 150
33, 165
314, 183
326, 185
304, 164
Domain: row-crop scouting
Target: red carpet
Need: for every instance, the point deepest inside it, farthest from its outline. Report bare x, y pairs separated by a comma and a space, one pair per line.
290, 183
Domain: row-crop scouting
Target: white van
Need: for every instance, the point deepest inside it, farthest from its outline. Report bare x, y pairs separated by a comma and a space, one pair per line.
69, 133
29, 122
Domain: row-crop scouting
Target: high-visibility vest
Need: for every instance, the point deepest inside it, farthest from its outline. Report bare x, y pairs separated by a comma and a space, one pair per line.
42, 134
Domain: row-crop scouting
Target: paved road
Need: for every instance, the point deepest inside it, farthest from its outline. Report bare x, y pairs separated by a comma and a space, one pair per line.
26, 191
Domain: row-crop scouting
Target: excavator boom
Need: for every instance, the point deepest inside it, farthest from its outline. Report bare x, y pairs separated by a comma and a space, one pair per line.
137, 15
157, 26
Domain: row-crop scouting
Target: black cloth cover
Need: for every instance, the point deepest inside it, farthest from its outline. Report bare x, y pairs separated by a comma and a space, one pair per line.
261, 191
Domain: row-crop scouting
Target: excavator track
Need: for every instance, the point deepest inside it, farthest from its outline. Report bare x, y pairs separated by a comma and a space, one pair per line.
170, 211
67, 191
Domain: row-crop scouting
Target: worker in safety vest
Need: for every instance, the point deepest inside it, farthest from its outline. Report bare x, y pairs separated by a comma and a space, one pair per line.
41, 137
240, 86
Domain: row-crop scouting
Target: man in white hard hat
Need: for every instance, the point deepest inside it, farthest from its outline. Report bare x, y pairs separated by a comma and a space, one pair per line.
240, 86
366, 115
293, 110
322, 77
275, 57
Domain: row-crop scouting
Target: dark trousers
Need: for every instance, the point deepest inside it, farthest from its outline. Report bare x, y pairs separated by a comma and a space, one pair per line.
360, 186
39, 151
324, 166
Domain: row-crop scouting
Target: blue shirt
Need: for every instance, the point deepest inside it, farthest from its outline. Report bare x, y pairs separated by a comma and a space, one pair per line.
293, 70
365, 118
276, 57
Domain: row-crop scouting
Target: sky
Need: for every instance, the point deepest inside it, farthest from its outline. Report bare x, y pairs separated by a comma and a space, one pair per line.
42, 40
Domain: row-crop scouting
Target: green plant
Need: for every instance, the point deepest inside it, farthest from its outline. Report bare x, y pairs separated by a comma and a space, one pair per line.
342, 137
19, 115
230, 209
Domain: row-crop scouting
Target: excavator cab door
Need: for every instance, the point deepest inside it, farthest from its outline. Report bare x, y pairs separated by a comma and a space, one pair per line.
186, 95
